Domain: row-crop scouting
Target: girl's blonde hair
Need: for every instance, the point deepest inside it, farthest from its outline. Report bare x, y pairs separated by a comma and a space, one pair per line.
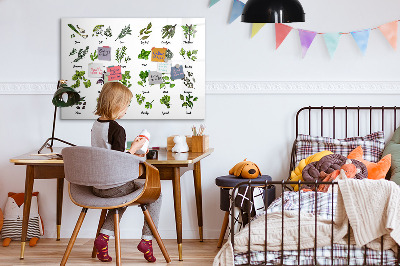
113, 98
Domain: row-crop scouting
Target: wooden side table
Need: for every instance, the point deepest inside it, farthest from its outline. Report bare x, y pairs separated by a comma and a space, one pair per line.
226, 183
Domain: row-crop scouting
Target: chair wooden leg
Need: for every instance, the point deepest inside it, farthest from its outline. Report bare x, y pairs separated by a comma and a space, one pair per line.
223, 229
73, 237
154, 230
101, 222
117, 239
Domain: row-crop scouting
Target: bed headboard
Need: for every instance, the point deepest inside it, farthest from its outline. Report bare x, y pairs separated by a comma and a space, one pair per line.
344, 121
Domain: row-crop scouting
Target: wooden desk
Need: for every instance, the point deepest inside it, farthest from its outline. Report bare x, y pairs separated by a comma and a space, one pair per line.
171, 167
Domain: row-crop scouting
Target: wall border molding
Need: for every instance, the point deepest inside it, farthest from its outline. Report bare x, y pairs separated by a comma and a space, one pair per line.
243, 87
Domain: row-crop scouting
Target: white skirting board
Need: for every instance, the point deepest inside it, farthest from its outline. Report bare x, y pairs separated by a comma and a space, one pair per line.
251, 87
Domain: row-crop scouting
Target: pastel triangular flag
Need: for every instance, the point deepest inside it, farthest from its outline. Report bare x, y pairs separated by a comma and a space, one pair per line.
361, 37
256, 28
389, 30
281, 31
213, 2
237, 9
306, 39
332, 41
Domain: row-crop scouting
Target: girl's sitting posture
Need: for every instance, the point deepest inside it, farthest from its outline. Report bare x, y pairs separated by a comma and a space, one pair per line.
112, 104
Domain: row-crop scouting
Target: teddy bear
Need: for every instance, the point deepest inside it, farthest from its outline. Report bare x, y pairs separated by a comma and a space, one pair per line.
180, 144
13, 215
245, 169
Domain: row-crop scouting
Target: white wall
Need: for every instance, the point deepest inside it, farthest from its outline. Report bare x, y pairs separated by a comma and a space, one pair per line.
259, 127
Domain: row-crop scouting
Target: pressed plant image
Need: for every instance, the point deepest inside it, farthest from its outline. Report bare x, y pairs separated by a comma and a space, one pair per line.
188, 100
190, 54
125, 31
166, 99
189, 80
78, 77
108, 32
143, 75
189, 31
140, 98
169, 54
120, 55
144, 54
126, 79
149, 105
81, 54
78, 30
74, 51
168, 31
98, 30
94, 56
166, 82
145, 32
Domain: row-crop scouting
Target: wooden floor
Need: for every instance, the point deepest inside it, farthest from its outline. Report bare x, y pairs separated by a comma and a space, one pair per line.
50, 252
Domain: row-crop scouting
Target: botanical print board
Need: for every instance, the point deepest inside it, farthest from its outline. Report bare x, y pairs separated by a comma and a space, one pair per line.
161, 60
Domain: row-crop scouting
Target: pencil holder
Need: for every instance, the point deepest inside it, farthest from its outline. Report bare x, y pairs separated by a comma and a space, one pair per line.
200, 143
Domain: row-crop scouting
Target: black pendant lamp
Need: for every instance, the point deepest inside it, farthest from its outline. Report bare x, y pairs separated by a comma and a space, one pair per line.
273, 11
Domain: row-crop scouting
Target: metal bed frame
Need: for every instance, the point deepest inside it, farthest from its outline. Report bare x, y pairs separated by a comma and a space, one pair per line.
283, 184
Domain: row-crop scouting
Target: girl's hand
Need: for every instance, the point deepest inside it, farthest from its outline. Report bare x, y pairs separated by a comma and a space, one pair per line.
142, 155
137, 144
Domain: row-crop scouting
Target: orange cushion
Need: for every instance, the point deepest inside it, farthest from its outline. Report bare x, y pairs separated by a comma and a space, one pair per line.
375, 170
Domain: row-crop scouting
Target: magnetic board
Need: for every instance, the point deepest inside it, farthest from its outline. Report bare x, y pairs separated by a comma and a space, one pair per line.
161, 60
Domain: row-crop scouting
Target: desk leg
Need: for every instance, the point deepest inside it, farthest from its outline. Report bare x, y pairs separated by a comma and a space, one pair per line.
60, 190
27, 206
176, 182
199, 204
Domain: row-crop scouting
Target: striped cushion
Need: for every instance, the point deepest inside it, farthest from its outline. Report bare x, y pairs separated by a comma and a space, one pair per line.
13, 228
372, 145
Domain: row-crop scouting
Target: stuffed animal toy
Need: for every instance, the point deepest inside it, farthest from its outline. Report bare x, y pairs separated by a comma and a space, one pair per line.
13, 215
245, 169
375, 170
348, 170
296, 174
180, 144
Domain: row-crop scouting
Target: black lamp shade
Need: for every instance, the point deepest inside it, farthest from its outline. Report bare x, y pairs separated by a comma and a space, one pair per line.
273, 11
73, 96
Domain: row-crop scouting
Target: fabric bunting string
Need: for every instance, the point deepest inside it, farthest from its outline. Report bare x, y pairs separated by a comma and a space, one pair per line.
361, 37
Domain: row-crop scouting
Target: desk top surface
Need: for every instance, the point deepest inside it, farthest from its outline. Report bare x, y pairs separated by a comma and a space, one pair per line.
164, 157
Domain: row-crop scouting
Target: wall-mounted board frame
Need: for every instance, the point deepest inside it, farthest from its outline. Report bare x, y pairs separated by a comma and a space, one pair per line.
161, 60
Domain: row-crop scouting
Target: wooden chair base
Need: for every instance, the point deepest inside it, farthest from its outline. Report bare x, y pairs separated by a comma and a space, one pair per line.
73, 237
156, 235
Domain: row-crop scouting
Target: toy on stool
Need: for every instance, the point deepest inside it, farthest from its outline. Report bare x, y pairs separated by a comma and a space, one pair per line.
13, 215
245, 169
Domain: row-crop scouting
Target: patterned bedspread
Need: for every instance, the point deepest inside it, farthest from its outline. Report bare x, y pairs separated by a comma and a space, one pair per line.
322, 207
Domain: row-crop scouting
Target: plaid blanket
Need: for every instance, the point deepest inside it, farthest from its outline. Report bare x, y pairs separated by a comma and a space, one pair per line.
323, 205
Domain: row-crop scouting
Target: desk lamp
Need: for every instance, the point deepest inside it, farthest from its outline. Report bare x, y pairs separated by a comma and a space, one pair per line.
273, 11
63, 97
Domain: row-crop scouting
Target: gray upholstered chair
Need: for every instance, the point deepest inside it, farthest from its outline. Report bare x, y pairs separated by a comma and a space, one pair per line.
85, 167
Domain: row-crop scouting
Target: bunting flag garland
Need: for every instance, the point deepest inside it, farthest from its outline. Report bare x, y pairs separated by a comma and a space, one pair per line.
281, 31
332, 41
389, 30
237, 9
361, 37
213, 2
256, 28
306, 39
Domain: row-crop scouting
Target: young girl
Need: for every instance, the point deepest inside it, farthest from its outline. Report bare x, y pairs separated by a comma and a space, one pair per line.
112, 104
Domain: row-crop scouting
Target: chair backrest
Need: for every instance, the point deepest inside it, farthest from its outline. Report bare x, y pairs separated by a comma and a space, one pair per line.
92, 166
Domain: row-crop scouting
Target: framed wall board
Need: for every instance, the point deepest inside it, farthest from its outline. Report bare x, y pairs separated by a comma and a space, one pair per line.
161, 60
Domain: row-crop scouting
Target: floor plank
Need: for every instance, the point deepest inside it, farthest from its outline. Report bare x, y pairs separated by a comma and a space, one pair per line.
50, 252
